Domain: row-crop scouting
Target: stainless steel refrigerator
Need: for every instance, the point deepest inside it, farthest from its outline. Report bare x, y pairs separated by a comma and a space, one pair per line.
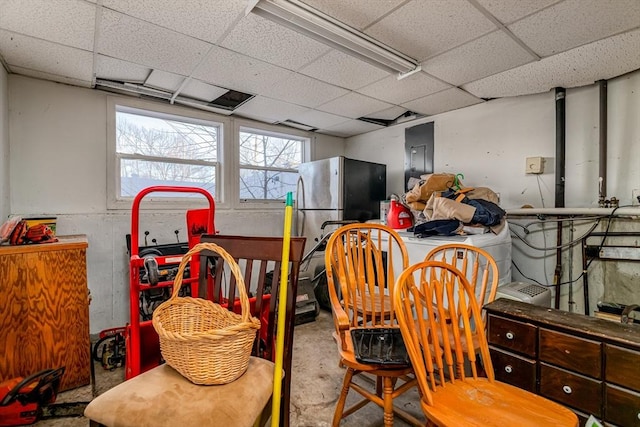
337, 189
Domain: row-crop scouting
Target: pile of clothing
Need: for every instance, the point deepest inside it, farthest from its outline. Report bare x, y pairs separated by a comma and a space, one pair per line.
443, 206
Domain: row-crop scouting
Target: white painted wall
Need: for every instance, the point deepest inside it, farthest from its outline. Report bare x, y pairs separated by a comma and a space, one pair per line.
58, 141
4, 146
488, 143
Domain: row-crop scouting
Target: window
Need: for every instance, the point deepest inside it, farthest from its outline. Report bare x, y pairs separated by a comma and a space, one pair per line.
268, 164
161, 149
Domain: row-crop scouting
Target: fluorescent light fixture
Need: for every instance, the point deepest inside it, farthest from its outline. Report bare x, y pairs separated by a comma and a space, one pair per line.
299, 17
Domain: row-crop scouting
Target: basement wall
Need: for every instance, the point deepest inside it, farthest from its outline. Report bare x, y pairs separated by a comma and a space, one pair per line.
4, 146
488, 143
58, 141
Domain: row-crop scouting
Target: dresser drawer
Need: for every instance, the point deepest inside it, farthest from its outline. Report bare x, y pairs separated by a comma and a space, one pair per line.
623, 366
512, 335
513, 369
622, 406
572, 389
571, 352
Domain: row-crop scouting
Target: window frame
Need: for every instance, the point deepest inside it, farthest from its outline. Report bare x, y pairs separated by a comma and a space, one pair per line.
243, 125
154, 109
228, 170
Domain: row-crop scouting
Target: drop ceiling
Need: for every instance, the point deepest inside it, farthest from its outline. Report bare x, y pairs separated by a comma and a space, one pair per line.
192, 52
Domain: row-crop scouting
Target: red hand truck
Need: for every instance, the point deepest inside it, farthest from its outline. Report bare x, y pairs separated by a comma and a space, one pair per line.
142, 342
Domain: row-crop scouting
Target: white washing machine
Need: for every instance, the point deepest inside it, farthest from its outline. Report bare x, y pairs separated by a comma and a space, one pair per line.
498, 246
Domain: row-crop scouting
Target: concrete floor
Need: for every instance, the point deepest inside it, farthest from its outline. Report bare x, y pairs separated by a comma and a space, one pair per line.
316, 383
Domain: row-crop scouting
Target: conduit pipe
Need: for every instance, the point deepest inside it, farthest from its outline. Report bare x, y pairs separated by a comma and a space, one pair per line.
560, 181
627, 211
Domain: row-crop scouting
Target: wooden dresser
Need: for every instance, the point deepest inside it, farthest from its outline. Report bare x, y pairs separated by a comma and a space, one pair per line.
590, 365
44, 310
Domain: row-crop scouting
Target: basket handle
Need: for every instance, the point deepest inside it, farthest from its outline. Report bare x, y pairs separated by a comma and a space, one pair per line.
233, 265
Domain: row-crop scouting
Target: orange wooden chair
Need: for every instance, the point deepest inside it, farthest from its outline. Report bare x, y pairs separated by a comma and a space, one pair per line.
362, 261
480, 269
475, 263
450, 396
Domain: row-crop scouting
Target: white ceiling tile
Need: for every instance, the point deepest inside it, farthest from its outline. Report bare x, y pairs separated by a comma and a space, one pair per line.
352, 13
354, 105
350, 128
449, 99
233, 70
259, 38
203, 91
68, 22
343, 70
52, 77
139, 42
205, 20
573, 23
489, 55
423, 28
388, 114
51, 58
270, 110
159, 79
398, 91
507, 11
318, 119
582, 66
123, 71
302, 90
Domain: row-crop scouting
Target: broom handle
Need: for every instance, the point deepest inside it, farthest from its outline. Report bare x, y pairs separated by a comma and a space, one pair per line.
282, 311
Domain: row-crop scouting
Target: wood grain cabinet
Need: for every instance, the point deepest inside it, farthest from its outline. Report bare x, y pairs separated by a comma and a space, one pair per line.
44, 310
587, 364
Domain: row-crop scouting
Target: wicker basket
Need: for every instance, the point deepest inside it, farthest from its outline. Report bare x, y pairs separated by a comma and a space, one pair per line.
205, 342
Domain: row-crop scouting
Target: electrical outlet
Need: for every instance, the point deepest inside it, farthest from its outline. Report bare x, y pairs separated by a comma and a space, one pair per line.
534, 165
635, 197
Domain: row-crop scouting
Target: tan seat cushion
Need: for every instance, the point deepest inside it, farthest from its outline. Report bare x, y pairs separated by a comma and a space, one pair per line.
163, 397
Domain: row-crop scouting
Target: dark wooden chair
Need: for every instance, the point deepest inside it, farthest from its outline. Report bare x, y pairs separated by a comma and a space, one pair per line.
260, 260
150, 398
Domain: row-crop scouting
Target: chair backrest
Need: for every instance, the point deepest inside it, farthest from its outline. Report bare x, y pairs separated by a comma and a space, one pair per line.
426, 295
475, 263
363, 261
260, 259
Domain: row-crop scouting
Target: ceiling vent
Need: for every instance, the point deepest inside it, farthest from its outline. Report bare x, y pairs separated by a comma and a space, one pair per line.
298, 125
231, 100
404, 117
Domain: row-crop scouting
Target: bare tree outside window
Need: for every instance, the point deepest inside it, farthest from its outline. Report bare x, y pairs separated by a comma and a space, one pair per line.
268, 165
165, 151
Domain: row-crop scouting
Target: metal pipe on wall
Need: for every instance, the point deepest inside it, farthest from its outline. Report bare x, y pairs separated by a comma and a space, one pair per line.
560, 146
602, 143
560, 181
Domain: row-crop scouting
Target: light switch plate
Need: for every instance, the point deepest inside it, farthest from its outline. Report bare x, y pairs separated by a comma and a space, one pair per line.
534, 165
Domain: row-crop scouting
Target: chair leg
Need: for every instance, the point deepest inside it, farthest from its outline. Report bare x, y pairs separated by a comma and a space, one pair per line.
387, 395
337, 416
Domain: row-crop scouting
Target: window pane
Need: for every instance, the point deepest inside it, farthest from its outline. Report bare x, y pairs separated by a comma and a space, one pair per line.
266, 185
152, 136
136, 175
270, 151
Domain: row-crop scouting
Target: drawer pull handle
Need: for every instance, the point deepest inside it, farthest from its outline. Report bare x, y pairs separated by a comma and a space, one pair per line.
567, 389
510, 335
508, 369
